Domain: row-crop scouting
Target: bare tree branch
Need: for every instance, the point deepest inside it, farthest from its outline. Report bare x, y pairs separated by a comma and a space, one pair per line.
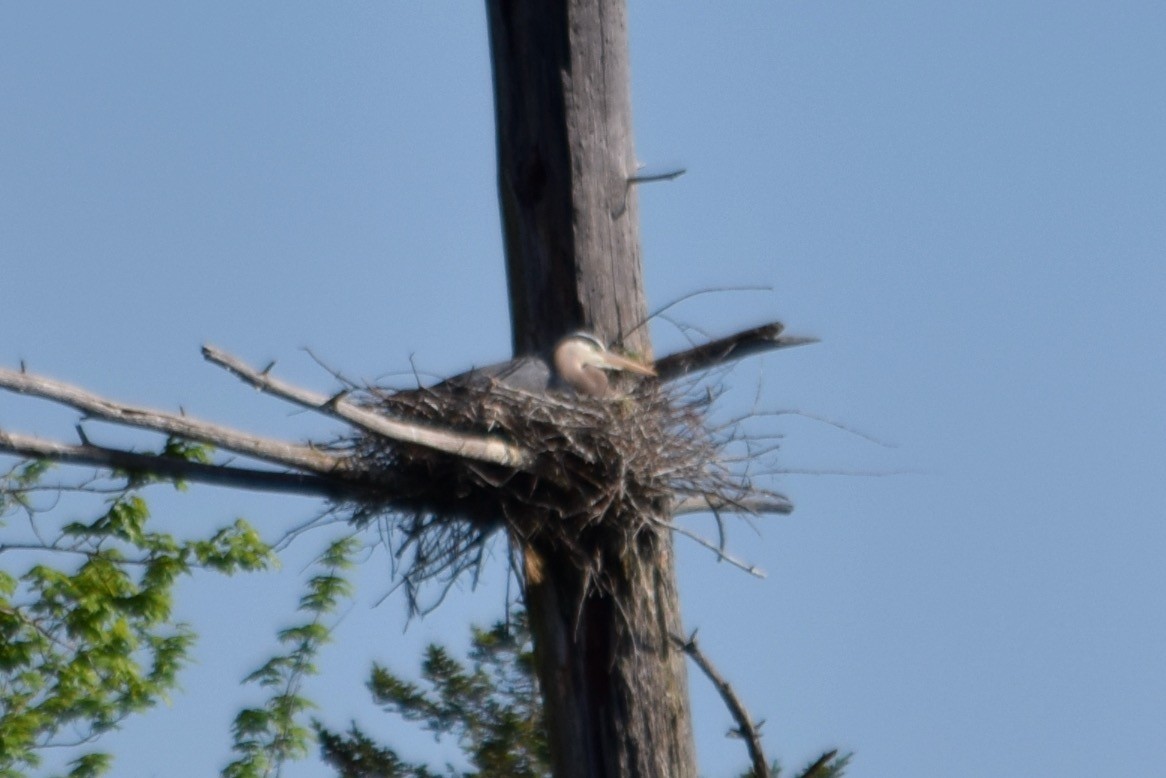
719, 550
174, 467
770, 503
276, 451
767, 337
745, 726
479, 447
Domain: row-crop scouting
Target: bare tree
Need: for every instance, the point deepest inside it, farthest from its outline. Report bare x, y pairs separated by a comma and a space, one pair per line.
599, 579
614, 685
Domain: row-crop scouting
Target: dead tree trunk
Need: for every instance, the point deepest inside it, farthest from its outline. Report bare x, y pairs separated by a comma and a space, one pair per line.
614, 684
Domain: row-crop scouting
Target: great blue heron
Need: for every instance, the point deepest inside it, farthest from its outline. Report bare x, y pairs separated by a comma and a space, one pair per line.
579, 363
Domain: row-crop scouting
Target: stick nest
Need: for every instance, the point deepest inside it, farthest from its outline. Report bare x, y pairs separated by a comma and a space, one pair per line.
604, 471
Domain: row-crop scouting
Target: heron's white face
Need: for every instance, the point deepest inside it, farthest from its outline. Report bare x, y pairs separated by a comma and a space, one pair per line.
581, 359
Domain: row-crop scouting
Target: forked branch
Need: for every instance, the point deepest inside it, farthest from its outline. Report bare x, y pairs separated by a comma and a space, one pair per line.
292, 455
479, 447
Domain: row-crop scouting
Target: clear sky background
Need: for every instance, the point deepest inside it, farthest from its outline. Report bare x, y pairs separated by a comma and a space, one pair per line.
965, 201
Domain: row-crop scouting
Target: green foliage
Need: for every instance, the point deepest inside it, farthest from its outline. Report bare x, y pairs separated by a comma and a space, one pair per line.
266, 737
86, 630
355, 755
490, 706
829, 765
15, 484
90, 766
83, 645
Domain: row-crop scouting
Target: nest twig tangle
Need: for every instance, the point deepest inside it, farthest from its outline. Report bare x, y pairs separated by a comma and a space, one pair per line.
441, 468
601, 471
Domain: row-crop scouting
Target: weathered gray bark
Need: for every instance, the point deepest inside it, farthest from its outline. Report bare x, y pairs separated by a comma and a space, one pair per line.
565, 152
614, 684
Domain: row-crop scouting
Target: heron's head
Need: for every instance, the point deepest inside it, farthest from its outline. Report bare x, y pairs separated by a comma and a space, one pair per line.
581, 359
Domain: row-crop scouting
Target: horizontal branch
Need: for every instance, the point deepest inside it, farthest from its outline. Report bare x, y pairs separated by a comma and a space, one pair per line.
291, 455
757, 340
771, 503
479, 447
174, 468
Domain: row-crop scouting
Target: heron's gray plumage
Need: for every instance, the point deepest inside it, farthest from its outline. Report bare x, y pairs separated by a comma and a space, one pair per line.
578, 364
529, 373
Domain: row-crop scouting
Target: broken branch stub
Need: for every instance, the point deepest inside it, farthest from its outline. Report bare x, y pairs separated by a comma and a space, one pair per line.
756, 340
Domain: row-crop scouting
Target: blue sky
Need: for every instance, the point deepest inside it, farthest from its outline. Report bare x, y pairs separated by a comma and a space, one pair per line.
965, 202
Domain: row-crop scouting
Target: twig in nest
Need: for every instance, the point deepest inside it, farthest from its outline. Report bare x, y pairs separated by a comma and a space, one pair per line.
717, 549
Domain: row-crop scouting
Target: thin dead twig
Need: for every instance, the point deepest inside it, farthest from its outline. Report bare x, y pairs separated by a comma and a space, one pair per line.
724, 556
745, 726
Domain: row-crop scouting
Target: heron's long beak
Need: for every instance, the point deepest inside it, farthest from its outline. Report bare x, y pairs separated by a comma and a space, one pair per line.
616, 362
